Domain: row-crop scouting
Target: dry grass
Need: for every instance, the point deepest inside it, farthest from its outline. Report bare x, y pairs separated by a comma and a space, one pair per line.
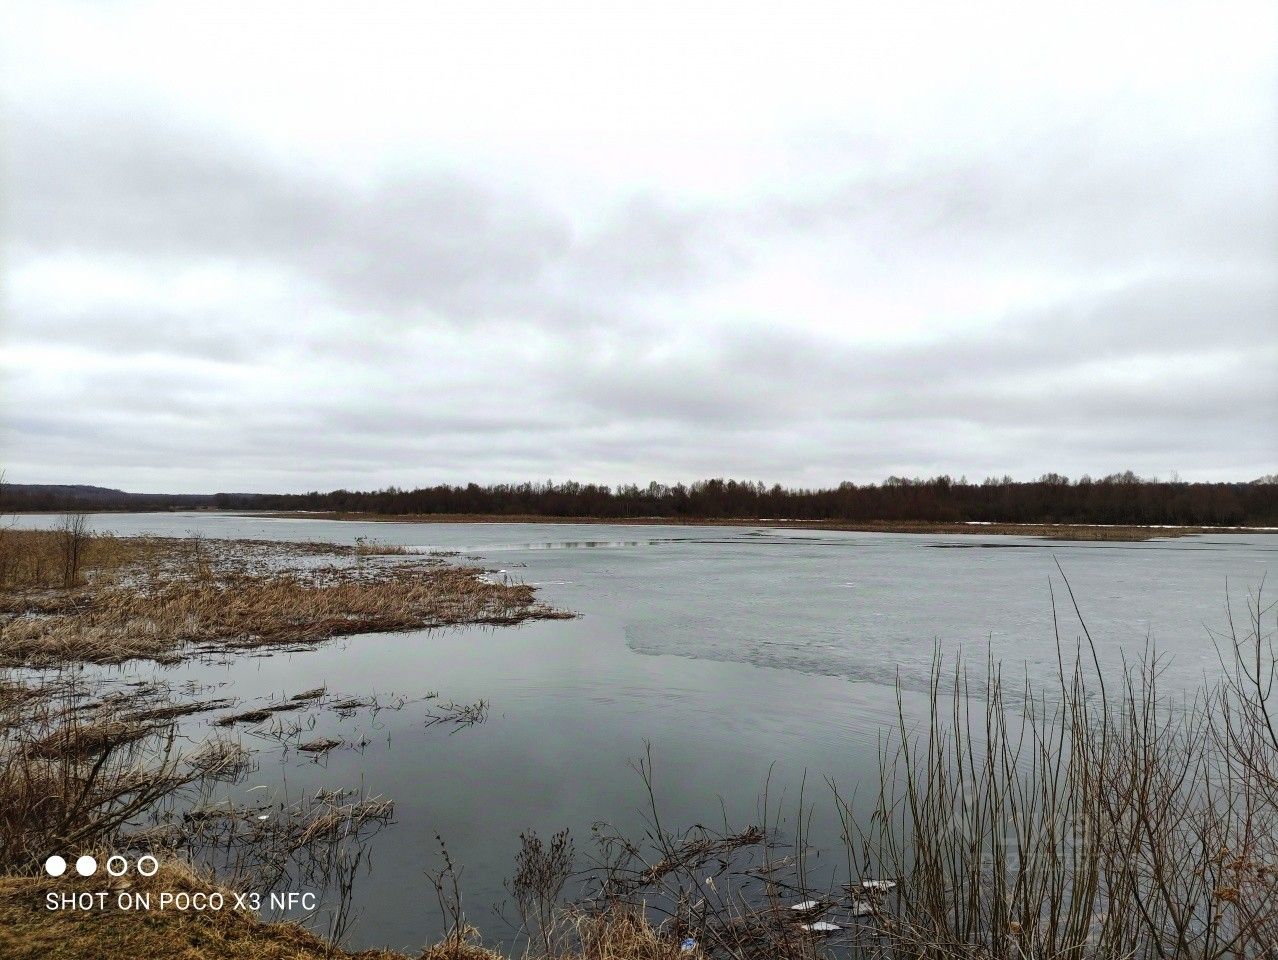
163, 599
34, 559
1097, 818
463, 945
322, 745
28, 930
367, 547
1075, 824
625, 935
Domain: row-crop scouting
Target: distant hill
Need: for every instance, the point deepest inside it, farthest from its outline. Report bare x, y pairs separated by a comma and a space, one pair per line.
30, 497
79, 491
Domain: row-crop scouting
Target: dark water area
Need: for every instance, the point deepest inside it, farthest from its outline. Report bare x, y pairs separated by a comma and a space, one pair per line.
737, 654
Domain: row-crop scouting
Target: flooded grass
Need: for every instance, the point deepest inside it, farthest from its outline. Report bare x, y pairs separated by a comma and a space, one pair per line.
458, 715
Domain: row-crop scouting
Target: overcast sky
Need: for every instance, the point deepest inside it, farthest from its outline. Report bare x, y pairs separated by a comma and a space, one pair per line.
295, 246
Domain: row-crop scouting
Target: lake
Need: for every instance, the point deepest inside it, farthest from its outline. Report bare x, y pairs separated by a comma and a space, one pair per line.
733, 651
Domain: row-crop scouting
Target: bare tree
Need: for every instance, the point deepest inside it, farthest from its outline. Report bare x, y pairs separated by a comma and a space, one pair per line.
74, 537
6, 547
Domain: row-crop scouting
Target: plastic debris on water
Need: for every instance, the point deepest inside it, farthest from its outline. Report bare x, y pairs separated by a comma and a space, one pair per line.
883, 885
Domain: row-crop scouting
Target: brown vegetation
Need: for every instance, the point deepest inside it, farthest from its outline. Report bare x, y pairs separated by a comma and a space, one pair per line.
28, 931
38, 559
162, 599
1055, 531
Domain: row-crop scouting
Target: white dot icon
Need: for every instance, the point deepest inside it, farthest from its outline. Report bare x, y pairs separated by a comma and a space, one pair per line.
86, 866
55, 866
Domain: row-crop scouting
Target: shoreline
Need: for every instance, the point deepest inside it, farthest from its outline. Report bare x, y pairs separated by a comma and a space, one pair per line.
1042, 531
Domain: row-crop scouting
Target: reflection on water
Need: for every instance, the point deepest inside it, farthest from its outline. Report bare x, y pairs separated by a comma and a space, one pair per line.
728, 649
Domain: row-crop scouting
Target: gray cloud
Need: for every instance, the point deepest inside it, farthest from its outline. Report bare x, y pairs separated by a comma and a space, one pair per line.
136, 187
1088, 195
189, 309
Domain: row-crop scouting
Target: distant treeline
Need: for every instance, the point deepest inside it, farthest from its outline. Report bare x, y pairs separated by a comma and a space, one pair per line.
1116, 499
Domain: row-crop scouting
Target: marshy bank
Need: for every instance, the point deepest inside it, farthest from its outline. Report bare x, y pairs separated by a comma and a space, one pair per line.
98, 762
69, 595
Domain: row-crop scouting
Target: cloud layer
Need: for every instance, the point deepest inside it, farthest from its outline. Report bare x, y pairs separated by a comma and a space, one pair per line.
245, 256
